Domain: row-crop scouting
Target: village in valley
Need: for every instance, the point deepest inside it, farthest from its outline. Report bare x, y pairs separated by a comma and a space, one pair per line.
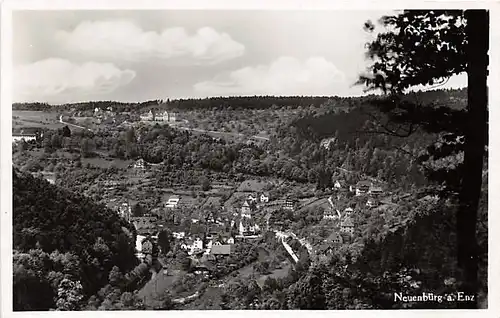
193, 160
222, 226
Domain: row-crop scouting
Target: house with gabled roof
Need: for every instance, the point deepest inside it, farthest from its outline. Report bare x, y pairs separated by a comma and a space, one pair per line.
375, 191
172, 202
362, 187
331, 214
335, 238
264, 198
149, 116
248, 227
125, 210
245, 210
348, 211
347, 226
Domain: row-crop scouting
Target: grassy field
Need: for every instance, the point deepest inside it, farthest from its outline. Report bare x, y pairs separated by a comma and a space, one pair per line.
35, 119
159, 285
104, 164
252, 186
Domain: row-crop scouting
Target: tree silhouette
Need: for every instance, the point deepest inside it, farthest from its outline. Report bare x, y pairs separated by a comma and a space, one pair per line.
427, 47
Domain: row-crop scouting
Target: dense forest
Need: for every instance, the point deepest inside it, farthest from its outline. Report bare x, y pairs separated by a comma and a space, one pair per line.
250, 102
295, 151
65, 246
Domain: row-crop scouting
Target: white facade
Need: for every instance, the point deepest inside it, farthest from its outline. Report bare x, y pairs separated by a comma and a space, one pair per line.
125, 210
197, 245
245, 211
172, 202
17, 138
330, 214
148, 116
178, 235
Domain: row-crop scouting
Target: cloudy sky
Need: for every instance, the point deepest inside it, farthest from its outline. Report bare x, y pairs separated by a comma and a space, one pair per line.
69, 56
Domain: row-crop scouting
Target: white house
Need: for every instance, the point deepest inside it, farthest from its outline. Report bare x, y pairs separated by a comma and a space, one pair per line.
172, 202
147, 116
193, 246
19, 137
362, 187
245, 210
161, 116
172, 117
337, 185
330, 214
125, 210
138, 246
348, 210
347, 226
264, 198
248, 227
375, 191
179, 235
140, 164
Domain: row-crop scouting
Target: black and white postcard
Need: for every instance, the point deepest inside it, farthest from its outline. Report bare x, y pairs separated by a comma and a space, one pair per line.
244, 157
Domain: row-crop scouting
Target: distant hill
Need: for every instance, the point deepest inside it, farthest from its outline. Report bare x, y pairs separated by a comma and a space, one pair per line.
347, 118
243, 102
239, 102
60, 235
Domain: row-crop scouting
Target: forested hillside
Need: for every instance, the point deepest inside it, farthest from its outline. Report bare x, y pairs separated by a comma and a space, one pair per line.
64, 245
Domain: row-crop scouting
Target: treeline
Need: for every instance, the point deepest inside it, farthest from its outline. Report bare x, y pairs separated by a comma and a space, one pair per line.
245, 102
65, 246
84, 106
365, 141
250, 102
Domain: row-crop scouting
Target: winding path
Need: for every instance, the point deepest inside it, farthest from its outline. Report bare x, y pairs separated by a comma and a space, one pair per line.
73, 125
283, 235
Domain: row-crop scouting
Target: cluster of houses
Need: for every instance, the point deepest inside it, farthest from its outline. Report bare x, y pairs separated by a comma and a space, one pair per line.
164, 116
367, 188
211, 244
347, 225
27, 135
99, 113
258, 198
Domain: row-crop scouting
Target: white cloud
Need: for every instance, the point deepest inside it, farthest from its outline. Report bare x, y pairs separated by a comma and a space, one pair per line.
124, 39
57, 80
285, 76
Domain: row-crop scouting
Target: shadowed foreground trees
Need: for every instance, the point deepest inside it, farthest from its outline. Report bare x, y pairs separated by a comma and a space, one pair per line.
427, 47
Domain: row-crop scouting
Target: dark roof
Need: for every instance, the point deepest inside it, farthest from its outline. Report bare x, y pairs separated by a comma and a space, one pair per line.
364, 184
347, 222
221, 249
333, 236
